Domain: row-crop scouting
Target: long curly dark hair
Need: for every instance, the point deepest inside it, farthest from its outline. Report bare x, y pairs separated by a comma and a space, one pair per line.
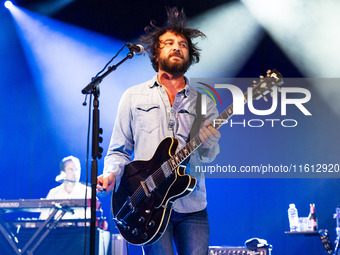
175, 23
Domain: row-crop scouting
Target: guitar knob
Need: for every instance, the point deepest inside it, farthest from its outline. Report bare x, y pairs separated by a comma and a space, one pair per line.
135, 232
144, 235
151, 224
141, 220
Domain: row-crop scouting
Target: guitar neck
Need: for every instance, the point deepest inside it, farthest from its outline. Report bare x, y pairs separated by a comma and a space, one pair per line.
196, 142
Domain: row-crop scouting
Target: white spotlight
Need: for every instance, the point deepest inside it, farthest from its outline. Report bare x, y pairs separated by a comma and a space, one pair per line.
8, 4
232, 35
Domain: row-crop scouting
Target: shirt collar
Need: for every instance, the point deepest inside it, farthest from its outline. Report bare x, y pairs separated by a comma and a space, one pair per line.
154, 82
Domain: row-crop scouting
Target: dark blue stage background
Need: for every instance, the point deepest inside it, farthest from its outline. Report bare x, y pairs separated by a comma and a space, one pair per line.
49, 53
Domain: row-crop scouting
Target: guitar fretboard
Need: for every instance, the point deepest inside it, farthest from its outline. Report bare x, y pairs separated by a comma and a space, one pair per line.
196, 142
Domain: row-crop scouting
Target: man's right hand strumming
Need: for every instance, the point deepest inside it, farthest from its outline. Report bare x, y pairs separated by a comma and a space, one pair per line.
105, 184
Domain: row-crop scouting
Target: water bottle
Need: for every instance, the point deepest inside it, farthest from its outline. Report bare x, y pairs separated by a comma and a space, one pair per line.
293, 218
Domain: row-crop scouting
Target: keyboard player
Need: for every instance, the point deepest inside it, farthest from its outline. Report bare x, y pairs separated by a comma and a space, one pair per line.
70, 188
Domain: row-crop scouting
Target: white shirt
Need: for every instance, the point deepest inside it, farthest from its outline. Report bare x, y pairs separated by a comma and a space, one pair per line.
78, 192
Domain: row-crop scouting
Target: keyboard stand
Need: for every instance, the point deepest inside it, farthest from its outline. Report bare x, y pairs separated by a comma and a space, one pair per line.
45, 229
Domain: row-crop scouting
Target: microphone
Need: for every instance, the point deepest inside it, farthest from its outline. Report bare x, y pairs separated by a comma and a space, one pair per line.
62, 178
136, 48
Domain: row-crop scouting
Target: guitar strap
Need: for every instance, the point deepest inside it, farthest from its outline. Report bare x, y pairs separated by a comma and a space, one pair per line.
195, 128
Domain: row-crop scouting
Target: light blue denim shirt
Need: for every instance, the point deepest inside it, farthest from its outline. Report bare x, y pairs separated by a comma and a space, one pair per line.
144, 118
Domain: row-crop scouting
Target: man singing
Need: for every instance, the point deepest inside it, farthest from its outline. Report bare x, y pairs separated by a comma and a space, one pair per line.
165, 106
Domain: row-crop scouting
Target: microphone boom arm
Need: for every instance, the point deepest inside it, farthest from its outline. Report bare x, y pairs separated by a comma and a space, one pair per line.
97, 80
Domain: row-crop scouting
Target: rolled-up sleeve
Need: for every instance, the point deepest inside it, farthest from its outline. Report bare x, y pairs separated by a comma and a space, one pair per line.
121, 144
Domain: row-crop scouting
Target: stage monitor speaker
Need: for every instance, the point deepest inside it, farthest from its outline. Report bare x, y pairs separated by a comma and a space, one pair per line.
118, 245
238, 250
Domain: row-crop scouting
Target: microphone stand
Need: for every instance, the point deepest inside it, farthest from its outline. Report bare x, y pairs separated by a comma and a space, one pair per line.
92, 88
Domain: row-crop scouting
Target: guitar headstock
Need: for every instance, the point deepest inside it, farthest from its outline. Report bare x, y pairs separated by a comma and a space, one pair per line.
266, 83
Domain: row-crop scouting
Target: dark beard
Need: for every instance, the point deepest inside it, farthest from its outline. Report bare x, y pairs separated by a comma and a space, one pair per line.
176, 69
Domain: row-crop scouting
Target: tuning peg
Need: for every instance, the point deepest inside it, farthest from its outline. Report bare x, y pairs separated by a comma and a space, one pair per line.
261, 76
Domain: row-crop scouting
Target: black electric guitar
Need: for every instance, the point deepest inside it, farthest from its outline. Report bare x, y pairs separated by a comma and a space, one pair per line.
142, 204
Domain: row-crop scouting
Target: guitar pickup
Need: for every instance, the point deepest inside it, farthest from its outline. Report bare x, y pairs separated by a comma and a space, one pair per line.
145, 188
166, 169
